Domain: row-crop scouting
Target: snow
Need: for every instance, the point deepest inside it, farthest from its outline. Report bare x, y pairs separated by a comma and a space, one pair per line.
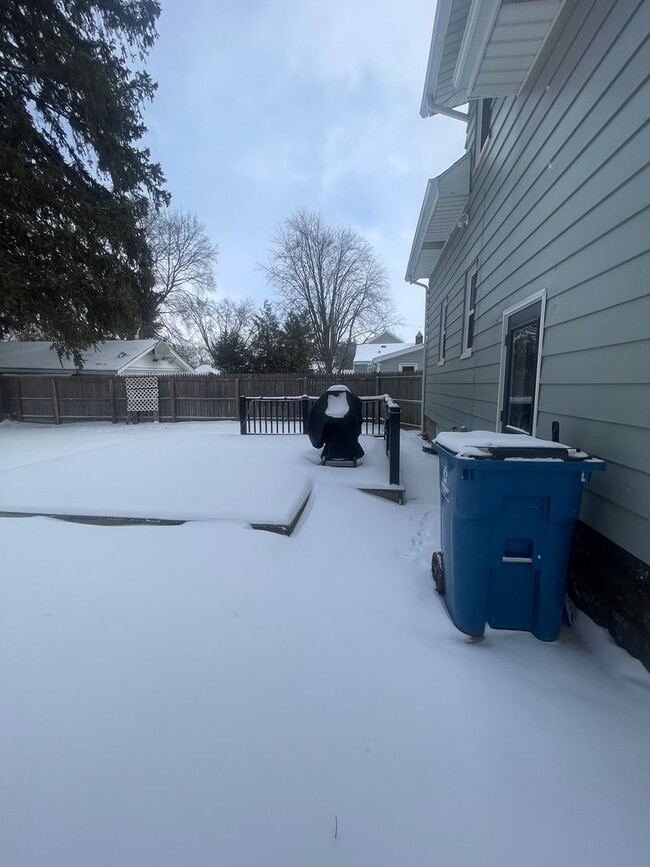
175, 471
368, 352
469, 444
337, 405
210, 694
38, 354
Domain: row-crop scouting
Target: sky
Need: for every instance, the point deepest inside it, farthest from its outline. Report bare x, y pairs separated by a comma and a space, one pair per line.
265, 106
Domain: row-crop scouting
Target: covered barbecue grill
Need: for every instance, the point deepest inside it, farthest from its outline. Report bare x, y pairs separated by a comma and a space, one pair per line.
334, 425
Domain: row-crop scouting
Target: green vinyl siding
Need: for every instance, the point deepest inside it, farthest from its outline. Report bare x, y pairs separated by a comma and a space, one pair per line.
559, 202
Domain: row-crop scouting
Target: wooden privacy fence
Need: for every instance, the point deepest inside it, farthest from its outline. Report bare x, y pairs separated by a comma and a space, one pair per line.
60, 399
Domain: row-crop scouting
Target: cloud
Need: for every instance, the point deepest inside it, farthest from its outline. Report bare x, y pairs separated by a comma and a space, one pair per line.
346, 42
276, 161
268, 105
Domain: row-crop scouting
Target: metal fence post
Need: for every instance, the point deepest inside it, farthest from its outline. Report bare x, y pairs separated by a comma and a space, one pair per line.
394, 414
305, 412
386, 429
242, 414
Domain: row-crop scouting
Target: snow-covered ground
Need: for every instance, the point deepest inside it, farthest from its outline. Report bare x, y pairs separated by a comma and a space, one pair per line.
208, 694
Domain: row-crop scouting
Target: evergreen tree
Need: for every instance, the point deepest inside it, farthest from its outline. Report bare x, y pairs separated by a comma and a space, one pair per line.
74, 185
266, 348
297, 343
230, 353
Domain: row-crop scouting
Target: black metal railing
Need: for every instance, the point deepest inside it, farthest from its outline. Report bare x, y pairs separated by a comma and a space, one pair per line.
288, 415
273, 415
392, 420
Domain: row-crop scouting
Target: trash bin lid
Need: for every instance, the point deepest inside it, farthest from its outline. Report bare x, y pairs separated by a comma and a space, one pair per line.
498, 446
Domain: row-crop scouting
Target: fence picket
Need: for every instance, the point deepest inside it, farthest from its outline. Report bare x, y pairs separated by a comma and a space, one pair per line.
190, 398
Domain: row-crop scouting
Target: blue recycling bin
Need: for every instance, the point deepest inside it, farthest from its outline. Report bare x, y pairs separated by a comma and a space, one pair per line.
508, 505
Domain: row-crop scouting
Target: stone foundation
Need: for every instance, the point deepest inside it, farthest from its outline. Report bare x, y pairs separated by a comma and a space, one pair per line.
430, 428
613, 587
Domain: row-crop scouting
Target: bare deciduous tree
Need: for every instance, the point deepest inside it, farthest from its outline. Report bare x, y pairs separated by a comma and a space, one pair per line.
183, 261
218, 330
333, 276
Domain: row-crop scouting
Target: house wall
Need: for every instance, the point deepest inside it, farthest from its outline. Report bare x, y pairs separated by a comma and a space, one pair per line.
148, 364
392, 365
559, 202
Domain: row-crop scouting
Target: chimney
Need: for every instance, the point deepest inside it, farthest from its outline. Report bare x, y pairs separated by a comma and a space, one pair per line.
418, 338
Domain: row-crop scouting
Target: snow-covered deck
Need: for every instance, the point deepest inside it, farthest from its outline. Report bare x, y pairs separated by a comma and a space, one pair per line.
182, 472
208, 694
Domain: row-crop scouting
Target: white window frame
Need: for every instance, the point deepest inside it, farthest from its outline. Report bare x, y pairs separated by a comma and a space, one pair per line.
442, 336
411, 364
526, 302
467, 311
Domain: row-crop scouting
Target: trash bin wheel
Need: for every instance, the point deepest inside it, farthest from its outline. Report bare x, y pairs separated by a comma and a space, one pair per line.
438, 572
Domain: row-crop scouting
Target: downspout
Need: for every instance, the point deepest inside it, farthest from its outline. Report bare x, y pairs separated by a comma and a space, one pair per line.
424, 340
433, 108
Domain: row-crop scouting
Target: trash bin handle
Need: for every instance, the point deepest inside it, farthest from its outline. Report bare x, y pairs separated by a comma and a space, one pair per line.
516, 559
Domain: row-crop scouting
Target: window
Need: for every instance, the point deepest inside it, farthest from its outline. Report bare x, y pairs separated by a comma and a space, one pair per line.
408, 368
523, 327
442, 339
471, 288
482, 131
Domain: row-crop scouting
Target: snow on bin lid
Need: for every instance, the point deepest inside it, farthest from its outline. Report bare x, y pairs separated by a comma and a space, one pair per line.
487, 444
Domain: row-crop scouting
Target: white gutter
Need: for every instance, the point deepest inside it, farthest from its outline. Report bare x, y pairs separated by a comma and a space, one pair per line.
436, 108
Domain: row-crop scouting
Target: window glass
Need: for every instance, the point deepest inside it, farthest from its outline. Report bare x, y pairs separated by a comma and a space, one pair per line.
442, 340
483, 122
471, 289
522, 344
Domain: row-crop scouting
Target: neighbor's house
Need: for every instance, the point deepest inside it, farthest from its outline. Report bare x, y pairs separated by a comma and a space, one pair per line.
385, 337
389, 356
111, 358
409, 358
536, 244
344, 356
367, 354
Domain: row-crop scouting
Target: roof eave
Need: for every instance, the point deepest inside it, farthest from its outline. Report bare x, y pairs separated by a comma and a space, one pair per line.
426, 212
187, 367
181, 361
484, 19
127, 364
452, 183
480, 22
440, 24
